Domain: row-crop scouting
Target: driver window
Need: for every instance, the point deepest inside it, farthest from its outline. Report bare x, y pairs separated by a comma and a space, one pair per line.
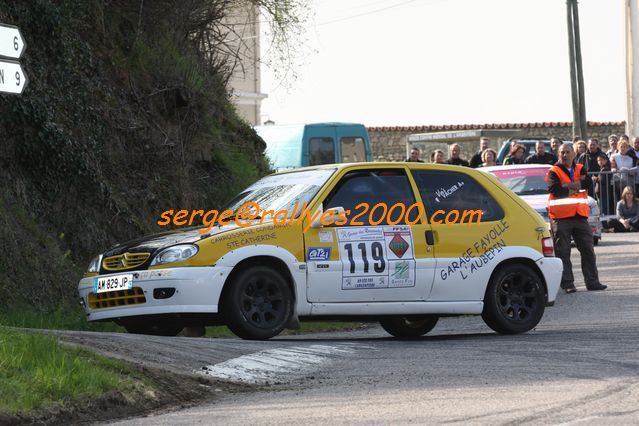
388, 186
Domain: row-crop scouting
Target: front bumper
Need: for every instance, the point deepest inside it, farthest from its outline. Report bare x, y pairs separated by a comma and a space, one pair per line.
551, 268
196, 290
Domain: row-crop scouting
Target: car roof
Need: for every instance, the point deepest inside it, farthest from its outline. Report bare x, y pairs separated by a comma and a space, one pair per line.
380, 164
515, 166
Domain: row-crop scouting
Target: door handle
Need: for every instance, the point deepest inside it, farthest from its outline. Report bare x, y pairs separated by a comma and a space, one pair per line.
430, 238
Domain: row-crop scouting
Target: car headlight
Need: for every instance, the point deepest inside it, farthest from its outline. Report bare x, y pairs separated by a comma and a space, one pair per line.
175, 254
94, 266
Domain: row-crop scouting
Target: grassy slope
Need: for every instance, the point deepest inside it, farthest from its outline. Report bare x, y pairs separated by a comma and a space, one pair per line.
36, 372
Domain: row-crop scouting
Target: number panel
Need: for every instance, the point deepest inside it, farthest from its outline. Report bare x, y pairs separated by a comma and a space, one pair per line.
376, 257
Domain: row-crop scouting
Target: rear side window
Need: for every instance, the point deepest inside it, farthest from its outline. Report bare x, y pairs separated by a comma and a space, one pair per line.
447, 191
353, 150
321, 151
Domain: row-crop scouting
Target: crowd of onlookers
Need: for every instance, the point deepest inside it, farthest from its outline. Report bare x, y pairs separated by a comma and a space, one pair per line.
610, 175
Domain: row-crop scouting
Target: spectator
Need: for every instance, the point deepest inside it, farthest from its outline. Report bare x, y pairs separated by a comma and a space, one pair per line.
613, 140
589, 160
631, 152
603, 186
415, 156
623, 167
438, 157
476, 160
568, 211
516, 155
541, 156
555, 143
580, 147
635, 145
627, 212
453, 156
488, 158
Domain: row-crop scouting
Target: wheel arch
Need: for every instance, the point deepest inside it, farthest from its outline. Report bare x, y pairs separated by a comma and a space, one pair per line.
519, 261
263, 260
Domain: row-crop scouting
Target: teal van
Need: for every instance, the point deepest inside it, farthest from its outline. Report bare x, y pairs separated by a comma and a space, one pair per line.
300, 145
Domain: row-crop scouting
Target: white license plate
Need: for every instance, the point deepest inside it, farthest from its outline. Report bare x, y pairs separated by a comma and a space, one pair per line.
113, 283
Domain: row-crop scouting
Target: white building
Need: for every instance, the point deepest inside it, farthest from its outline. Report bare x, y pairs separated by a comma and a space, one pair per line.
244, 40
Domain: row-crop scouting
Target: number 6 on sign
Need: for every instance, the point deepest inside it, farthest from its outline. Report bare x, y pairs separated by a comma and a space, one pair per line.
11, 42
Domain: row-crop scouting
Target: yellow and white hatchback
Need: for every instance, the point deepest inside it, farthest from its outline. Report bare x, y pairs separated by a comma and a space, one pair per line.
411, 242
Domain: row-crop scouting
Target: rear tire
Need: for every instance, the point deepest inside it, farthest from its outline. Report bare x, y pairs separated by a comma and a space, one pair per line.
258, 304
515, 300
409, 327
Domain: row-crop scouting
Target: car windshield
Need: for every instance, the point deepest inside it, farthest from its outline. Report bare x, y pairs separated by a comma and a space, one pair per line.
524, 181
281, 192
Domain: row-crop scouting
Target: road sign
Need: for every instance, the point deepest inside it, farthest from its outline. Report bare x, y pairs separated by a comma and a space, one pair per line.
12, 77
12, 44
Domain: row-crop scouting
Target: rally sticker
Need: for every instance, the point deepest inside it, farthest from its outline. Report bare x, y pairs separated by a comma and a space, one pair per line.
318, 253
326, 236
380, 257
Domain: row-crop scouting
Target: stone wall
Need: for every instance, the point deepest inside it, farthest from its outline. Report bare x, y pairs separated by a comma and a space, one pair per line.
389, 143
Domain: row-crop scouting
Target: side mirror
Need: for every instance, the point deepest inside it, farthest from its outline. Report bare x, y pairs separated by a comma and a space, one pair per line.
328, 216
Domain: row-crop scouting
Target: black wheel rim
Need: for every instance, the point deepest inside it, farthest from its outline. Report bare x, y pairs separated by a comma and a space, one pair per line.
262, 302
517, 297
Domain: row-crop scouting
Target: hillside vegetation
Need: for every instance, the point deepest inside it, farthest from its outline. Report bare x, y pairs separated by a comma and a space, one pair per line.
126, 115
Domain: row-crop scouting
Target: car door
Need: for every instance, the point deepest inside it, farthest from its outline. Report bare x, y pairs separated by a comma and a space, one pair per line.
463, 248
374, 257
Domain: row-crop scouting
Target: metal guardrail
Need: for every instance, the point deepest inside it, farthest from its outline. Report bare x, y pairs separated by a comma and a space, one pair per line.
607, 186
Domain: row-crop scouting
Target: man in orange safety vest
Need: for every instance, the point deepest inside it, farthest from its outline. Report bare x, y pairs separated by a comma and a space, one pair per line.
568, 211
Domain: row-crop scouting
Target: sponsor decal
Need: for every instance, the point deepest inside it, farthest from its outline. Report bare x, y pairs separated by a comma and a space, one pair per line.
326, 236
398, 245
482, 253
401, 270
318, 253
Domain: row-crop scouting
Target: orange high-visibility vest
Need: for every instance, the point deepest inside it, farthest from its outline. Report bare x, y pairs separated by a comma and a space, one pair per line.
571, 206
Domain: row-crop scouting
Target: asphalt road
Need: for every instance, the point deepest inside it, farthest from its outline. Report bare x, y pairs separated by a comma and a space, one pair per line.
580, 365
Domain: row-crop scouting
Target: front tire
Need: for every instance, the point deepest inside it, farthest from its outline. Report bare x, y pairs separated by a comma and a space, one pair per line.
514, 301
258, 304
409, 327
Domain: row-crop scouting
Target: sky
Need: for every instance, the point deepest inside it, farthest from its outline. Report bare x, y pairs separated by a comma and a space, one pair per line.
423, 62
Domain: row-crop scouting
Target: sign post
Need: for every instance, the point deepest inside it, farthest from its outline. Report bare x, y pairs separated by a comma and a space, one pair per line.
12, 77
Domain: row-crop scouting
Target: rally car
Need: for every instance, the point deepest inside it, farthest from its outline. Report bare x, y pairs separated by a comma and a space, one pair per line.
528, 181
399, 265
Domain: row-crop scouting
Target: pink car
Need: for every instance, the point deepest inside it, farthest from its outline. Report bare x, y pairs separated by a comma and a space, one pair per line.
528, 181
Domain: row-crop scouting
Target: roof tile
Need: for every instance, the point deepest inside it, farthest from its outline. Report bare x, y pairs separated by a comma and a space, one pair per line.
443, 127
